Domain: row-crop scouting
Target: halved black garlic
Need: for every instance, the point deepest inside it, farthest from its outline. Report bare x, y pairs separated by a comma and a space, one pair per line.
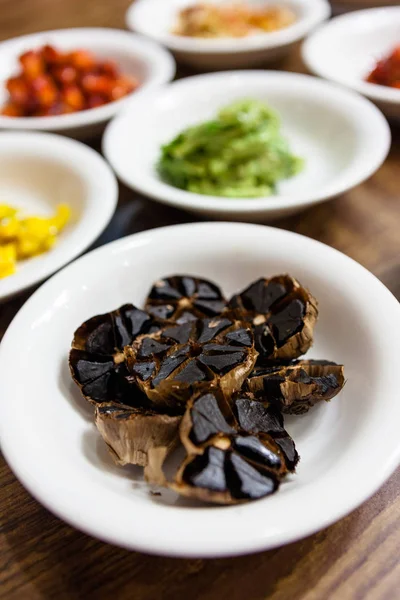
211, 375
282, 314
170, 365
296, 387
184, 298
131, 432
97, 360
236, 452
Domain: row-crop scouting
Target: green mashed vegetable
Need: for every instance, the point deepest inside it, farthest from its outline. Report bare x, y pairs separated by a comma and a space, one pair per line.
240, 154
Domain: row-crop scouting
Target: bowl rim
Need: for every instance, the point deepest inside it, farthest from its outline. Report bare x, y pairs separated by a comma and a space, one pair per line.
45, 488
368, 116
312, 57
92, 166
315, 12
144, 49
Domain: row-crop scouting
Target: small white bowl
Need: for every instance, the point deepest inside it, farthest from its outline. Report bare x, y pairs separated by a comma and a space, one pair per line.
157, 18
347, 48
343, 138
135, 55
348, 447
39, 171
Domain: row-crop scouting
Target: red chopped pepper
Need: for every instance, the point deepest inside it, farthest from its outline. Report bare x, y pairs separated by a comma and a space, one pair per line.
387, 70
52, 82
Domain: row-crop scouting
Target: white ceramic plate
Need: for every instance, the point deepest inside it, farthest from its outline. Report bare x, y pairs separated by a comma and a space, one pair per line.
347, 48
135, 55
39, 171
342, 137
157, 18
348, 447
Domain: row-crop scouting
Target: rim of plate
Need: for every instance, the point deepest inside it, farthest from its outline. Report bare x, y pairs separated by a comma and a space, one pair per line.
314, 13
314, 61
140, 47
357, 484
369, 119
92, 167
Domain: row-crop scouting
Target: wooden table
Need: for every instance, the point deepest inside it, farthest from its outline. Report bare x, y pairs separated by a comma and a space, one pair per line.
355, 559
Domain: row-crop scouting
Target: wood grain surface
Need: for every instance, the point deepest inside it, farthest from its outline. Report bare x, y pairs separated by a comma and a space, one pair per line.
358, 558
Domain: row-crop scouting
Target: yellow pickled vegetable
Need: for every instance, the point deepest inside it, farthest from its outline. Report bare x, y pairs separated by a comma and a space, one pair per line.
23, 237
9, 227
62, 216
7, 211
8, 259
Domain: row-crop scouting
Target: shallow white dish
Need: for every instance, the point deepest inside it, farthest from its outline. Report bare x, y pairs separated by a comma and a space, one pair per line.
157, 18
135, 55
347, 48
342, 136
39, 171
348, 447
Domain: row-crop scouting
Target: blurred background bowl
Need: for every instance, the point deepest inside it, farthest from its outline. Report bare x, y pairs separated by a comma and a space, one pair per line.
347, 48
157, 18
134, 55
342, 137
38, 171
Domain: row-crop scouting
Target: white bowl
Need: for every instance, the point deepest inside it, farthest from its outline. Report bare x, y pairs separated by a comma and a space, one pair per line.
39, 171
135, 55
157, 18
347, 48
342, 137
348, 447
